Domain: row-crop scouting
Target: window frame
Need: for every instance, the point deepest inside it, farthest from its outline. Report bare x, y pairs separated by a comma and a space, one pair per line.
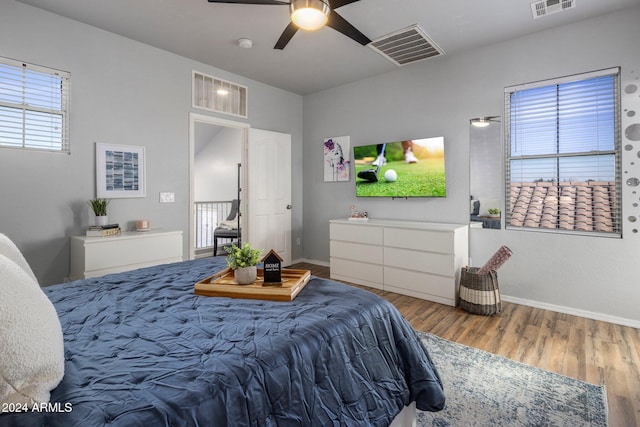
616, 151
27, 128
218, 95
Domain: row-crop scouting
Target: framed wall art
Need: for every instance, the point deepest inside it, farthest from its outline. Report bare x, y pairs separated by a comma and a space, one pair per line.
336, 159
120, 171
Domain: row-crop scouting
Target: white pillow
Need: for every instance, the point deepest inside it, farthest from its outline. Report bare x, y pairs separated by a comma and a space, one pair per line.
31, 344
11, 251
229, 225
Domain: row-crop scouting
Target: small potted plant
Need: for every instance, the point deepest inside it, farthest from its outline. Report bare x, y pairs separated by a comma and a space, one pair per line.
243, 261
99, 207
494, 212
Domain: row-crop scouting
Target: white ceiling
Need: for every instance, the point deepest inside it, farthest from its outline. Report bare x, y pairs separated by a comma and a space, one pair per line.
313, 61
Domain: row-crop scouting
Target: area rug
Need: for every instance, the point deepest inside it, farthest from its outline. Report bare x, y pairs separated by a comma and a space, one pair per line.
483, 389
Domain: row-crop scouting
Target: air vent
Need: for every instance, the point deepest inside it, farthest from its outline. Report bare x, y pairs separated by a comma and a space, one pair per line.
406, 46
547, 7
211, 93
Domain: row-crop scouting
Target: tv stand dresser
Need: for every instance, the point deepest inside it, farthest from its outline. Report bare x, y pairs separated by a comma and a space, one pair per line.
419, 259
97, 256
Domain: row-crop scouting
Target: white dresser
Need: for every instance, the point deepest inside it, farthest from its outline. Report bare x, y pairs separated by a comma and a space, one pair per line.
97, 256
413, 258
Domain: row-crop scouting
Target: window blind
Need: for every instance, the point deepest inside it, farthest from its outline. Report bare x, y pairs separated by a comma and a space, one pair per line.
34, 107
563, 154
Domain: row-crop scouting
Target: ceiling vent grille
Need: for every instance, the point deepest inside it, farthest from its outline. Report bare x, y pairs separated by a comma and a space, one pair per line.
547, 7
406, 46
213, 94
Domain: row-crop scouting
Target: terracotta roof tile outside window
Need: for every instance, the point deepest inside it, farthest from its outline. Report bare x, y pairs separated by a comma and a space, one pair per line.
580, 206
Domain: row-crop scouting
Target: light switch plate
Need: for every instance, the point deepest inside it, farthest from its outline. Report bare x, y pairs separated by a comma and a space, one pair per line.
167, 197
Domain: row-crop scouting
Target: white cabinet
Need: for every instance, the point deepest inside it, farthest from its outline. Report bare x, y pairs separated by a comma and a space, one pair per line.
97, 256
413, 258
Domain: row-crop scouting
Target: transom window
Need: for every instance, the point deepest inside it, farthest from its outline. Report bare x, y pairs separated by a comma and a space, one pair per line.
34, 107
563, 154
221, 96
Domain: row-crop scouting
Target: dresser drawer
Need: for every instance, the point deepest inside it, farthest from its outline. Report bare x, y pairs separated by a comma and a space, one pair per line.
357, 233
96, 256
440, 264
357, 272
356, 252
425, 283
421, 240
118, 252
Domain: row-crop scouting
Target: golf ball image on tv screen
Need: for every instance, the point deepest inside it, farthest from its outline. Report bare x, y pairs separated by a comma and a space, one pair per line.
390, 175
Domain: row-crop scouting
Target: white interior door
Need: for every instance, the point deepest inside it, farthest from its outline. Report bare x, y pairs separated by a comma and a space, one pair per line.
269, 198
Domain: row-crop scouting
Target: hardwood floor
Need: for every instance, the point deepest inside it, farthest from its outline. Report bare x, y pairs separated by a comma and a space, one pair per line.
589, 350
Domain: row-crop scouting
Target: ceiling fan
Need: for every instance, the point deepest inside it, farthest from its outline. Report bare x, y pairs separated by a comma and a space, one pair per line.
310, 15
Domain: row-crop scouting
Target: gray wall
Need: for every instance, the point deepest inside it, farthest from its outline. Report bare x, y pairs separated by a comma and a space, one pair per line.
122, 92
216, 165
438, 97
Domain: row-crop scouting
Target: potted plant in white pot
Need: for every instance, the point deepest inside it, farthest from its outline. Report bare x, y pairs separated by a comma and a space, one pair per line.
243, 261
99, 207
494, 212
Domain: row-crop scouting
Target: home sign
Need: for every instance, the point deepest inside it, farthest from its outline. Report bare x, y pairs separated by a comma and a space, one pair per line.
272, 267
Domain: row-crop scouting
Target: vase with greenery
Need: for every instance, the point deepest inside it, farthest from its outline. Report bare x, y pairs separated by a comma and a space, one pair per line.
99, 207
495, 212
243, 261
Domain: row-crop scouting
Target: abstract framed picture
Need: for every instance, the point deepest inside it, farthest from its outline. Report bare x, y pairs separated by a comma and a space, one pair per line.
120, 171
337, 159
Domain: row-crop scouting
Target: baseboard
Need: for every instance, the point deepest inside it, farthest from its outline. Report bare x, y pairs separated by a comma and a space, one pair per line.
203, 253
573, 311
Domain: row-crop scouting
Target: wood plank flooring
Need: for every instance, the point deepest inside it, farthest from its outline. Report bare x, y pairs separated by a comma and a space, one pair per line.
589, 350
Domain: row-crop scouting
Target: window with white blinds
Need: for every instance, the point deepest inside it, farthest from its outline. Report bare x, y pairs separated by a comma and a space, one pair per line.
563, 155
211, 93
34, 107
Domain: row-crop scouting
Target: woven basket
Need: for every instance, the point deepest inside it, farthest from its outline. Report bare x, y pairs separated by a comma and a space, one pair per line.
479, 293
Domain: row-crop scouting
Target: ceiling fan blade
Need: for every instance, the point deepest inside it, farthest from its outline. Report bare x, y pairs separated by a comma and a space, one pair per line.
286, 35
250, 1
339, 3
340, 24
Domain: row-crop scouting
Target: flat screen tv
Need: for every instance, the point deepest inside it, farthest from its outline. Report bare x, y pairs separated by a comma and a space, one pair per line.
413, 168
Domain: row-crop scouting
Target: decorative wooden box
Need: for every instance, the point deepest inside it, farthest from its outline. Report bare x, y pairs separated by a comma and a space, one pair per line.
222, 284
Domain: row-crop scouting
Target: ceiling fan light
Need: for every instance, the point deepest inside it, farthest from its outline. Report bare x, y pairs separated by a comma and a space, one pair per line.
480, 123
483, 122
309, 14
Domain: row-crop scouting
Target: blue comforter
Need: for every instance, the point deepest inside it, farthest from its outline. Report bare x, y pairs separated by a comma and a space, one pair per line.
142, 350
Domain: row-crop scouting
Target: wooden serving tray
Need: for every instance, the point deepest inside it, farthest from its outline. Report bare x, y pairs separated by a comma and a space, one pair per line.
223, 284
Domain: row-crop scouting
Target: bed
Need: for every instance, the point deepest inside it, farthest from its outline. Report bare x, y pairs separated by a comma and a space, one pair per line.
141, 349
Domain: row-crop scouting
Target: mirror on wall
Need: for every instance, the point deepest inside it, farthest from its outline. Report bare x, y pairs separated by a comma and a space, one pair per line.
485, 174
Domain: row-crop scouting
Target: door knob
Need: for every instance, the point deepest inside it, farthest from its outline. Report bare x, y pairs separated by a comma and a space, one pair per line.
288, 206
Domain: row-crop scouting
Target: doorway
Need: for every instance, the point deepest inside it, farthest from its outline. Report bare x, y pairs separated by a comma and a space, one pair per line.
264, 177
216, 147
